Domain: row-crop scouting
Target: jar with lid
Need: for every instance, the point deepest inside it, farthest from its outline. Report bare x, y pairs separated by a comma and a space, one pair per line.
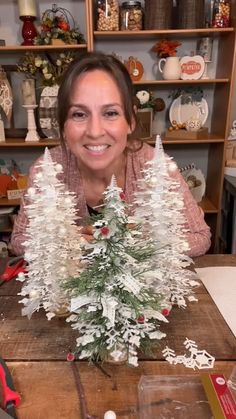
221, 14
107, 15
131, 16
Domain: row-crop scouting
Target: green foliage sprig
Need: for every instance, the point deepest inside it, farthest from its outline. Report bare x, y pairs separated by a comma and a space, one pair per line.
188, 94
48, 70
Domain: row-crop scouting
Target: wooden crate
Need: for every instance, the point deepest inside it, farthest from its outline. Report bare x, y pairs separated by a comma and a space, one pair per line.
182, 134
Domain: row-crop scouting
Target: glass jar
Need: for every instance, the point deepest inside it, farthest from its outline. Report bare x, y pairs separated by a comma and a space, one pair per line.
107, 15
221, 14
131, 16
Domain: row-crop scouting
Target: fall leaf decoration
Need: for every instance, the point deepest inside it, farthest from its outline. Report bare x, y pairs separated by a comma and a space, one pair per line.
165, 48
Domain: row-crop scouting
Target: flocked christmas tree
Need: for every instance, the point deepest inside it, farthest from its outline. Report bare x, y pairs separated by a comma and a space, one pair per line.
115, 311
159, 207
53, 244
135, 268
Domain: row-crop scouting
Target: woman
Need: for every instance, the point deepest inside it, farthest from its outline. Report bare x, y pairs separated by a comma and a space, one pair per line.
96, 114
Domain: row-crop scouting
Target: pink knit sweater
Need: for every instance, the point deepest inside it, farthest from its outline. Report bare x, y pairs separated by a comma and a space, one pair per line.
198, 235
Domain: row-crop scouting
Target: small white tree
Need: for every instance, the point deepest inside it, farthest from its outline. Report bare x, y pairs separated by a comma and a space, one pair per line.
116, 312
158, 205
53, 244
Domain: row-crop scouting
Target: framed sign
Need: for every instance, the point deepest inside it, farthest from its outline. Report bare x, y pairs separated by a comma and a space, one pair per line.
192, 68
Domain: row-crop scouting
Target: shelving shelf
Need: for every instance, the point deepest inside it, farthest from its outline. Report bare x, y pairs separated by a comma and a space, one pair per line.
210, 139
6, 202
207, 206
20, 48
167, 33
6, 230
20, 142
179, 82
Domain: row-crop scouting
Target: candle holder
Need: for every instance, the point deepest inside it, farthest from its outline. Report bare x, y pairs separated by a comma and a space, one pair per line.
205, 74
32, 134
28, 30
204, 47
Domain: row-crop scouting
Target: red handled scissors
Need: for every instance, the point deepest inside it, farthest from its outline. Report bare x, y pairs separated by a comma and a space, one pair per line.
11, 399
12, 269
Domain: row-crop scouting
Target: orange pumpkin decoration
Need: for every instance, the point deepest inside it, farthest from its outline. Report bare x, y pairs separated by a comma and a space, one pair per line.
5, 181
135, 68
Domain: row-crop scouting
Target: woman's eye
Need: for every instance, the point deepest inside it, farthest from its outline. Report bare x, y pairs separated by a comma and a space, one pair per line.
78, 115
111, 114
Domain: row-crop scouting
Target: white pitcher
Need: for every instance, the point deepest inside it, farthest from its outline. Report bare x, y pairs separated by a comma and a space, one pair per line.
171, 70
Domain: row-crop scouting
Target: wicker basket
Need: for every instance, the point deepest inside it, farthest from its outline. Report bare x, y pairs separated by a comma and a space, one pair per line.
191, 14
158, 14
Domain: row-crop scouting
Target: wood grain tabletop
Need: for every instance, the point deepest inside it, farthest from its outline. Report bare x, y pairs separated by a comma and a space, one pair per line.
36, 349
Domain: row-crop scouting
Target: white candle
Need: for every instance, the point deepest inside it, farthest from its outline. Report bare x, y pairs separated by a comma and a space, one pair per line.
28, 92
27, 8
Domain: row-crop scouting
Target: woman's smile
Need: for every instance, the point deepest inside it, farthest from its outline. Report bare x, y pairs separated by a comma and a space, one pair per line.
97, 149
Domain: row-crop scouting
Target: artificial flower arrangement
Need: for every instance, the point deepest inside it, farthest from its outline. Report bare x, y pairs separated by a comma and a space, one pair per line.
47, 69
55, 25
188, 94
145, 99
165, 48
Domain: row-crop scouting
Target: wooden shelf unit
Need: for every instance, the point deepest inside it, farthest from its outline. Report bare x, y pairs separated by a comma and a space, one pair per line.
221, 87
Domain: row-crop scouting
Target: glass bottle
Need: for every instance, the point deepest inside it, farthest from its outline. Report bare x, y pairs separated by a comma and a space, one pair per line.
221, 14
131, 16
107, 15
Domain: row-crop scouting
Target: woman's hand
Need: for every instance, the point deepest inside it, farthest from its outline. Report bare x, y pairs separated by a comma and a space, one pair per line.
87, 232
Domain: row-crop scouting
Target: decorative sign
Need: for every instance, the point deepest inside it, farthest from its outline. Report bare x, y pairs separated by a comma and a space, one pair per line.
192, 68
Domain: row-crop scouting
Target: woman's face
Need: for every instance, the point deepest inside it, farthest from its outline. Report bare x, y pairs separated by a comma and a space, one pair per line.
96, 129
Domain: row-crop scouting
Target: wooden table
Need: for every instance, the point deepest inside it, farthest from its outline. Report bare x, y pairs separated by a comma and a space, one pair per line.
36, 349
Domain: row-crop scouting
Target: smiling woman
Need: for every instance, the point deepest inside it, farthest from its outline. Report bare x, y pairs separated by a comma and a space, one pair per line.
96, 114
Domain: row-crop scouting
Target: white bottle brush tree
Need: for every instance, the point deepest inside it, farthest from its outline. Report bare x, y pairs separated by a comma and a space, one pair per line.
159, 207
53, 242
115, 311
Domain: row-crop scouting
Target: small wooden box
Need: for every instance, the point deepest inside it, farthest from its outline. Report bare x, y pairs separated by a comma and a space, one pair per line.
15, 194
231, 150
143, 130
57, 41
183, 134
